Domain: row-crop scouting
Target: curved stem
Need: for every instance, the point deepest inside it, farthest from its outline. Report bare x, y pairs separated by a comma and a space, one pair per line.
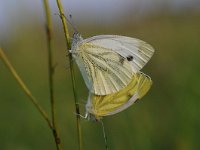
65, 28
24, 88
49, 28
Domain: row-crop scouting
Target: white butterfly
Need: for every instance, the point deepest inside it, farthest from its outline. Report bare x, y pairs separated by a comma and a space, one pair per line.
108, 62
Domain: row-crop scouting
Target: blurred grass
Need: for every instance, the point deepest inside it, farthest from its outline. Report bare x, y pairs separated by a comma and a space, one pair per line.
166, 118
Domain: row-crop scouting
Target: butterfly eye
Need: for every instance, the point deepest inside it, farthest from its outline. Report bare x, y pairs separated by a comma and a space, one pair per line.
75, 34
129, 58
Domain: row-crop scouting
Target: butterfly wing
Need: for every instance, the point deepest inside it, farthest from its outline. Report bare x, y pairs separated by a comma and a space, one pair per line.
137, 50
103, 70
113, 103
137, 92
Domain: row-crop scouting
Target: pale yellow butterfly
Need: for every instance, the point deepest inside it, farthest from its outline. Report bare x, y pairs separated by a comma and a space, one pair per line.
99, 106
108, 62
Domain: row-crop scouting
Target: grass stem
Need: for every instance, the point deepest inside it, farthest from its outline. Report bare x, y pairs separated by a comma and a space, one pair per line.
24, 87
49, 28
68, 44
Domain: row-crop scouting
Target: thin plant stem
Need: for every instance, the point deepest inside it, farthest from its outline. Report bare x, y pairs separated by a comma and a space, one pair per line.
24, 88
49, 28
68, 44
104, 135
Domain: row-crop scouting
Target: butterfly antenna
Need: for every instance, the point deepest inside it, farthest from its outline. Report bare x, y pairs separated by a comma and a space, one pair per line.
104, 135
71, 22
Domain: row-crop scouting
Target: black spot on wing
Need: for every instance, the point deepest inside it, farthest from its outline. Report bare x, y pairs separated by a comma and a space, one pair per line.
129, 58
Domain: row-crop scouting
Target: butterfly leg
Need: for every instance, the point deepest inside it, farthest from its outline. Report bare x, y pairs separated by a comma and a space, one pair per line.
81, 116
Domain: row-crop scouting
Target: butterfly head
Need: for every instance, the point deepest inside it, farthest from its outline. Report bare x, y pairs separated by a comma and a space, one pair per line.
92, 117
77, 38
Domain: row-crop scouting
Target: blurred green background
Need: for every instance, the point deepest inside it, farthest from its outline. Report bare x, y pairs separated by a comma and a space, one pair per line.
167, 118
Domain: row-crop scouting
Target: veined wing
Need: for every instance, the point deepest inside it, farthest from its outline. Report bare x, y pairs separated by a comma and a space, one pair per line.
143, 86
113, 103
136, 51
107, 71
